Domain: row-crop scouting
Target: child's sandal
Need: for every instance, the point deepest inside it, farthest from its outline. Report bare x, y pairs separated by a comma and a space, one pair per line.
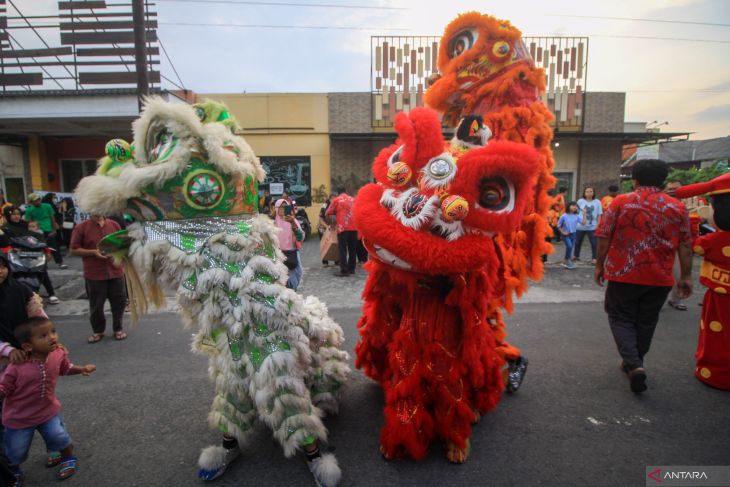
68, 468
53, 459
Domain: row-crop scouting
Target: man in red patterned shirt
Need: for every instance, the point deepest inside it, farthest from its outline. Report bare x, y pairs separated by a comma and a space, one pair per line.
637, 240
341, 207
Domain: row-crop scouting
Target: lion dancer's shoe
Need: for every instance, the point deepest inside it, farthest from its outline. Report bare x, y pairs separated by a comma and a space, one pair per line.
516, 370
324, 467
214, 460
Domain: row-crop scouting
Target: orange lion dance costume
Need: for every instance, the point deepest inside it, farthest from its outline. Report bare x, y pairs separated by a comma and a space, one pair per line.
454, 230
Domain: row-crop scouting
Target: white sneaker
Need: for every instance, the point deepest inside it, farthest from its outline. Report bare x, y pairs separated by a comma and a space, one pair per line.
53, 300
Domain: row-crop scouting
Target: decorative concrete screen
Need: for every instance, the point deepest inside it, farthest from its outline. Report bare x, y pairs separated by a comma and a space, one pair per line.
401, 66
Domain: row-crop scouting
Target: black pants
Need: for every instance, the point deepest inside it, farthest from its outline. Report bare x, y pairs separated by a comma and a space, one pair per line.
55, 245
633, 312
347, 242
362, 252
99, 292
46, 281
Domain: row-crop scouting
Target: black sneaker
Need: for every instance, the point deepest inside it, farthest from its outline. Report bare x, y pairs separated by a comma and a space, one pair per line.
516, 373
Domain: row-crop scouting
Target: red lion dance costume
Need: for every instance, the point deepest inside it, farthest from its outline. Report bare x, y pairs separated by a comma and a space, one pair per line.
454, 230
713, 346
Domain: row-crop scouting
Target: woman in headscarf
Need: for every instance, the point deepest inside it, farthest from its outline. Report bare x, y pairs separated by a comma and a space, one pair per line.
289, 233
15, 227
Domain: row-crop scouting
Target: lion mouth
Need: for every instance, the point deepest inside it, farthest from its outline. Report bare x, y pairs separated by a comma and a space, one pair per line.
389, 258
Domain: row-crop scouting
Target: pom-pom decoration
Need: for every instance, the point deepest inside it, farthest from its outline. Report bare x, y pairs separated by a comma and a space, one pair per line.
399, 174
118, 150
454, 208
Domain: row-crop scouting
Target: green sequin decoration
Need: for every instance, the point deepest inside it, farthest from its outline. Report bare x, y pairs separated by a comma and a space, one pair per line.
233, 298
264, 278
187, 242
261, 329
308, 440
191, 282
236, 346
256, 357
232, 268
244, 228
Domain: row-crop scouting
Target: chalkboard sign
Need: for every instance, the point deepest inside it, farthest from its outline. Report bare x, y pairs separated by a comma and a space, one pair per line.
294, 172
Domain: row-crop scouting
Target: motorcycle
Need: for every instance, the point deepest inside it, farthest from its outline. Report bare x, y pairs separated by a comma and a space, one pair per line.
303, 220
28, 258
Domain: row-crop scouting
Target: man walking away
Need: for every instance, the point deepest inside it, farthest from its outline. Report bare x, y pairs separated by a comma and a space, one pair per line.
341, 207
104, 280
637, 241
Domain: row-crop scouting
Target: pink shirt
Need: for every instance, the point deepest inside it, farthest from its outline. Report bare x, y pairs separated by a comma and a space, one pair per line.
30, 390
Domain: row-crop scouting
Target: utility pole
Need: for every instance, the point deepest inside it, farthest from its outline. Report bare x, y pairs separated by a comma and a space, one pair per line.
140, 50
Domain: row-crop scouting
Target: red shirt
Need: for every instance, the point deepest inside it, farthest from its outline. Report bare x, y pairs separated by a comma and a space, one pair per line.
30, 390
87, 235
644, 229
341, 206
715, 270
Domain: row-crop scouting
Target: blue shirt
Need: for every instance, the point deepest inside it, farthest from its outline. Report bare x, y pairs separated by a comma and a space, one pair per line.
593, 210
569, 222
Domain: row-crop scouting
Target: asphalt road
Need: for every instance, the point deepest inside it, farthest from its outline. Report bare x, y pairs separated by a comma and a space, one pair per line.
140, 420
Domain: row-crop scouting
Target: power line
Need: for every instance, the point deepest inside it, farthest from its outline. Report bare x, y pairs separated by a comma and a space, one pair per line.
632, 19
646, 38
171, 64
661, 38
285, 4
262, 26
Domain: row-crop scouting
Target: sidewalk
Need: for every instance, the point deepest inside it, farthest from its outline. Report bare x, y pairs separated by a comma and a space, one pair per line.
558, 285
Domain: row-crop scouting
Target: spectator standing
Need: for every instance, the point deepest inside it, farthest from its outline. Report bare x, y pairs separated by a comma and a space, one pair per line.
567, 225
637, 242
606, 200
289, 234
265, 203
590, 210
104, 279
68, 220
560, 200
341, 207
45, 215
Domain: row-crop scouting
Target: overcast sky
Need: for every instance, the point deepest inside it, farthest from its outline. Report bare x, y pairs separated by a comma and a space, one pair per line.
682, 82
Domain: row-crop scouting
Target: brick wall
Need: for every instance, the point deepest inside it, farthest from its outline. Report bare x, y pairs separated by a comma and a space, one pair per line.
604, 112
599, 166
351, 159
349, 113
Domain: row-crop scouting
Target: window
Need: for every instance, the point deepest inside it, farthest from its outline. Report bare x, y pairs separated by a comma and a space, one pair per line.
72, 170
15, 191
565, 179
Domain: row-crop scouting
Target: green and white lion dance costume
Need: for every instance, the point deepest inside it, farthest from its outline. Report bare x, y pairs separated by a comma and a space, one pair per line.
190, 185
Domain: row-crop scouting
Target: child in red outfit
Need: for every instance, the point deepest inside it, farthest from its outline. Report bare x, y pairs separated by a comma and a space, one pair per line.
713, 347
29, 392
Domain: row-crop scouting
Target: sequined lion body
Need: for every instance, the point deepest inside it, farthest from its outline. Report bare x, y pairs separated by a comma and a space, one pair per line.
190, 188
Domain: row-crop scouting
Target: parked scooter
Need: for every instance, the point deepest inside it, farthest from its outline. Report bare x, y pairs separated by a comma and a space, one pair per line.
28, 258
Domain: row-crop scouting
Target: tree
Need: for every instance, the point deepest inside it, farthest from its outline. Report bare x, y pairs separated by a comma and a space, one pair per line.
695, 175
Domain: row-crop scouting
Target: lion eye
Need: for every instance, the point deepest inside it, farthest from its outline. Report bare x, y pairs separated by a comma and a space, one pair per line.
463, 41
494, 194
